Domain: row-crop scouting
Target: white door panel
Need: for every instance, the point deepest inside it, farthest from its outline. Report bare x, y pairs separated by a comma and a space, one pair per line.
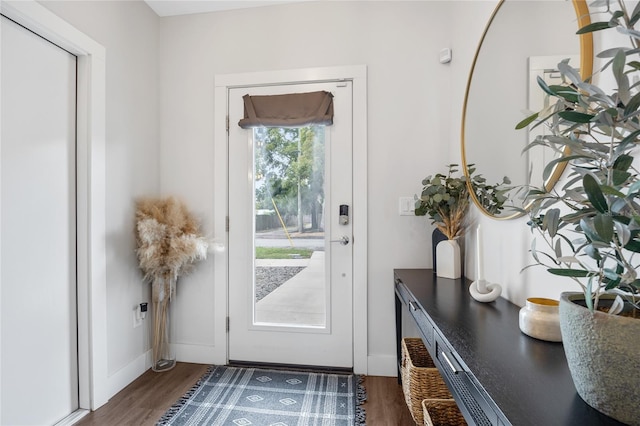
38, 230
271, 330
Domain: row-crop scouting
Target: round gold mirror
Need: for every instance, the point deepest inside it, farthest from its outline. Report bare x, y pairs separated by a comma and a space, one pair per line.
522, 40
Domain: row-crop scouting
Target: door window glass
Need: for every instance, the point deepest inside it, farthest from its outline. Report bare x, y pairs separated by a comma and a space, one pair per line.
289, 199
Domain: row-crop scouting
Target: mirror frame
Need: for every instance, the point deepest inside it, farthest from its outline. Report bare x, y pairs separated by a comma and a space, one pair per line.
586, 70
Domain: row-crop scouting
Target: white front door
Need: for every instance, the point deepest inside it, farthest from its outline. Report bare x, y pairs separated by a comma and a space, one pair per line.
290, 254
38, 230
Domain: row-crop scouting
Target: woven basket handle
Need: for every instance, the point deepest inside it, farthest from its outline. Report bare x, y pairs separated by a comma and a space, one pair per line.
404, 355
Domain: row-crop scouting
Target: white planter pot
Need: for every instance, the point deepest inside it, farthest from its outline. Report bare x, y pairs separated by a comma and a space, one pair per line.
602, 353
448, 259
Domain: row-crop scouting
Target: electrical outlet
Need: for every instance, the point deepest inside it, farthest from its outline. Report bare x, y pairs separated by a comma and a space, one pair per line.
407, 206
137, 320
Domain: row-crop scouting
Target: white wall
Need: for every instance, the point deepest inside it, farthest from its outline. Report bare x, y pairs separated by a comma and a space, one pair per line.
414, 107
160, 79
408, 116
129, 32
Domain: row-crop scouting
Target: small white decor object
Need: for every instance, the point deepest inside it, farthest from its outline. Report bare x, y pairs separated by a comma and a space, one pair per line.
481, 290
448, 259
540, 318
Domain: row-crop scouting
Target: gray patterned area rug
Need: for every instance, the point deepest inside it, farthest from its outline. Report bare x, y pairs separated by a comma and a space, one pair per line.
248, 396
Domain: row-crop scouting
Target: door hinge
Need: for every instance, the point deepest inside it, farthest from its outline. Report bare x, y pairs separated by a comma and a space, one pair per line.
227, 326
227, 123
226, 223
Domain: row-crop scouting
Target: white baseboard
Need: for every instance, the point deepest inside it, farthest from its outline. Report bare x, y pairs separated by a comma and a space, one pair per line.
73, 418
198, 354
123, 377
383, 365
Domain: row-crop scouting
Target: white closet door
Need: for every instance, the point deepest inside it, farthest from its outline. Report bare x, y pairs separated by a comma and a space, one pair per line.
38, 230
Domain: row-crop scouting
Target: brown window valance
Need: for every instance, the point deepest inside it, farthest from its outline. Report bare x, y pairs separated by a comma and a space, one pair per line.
290, 110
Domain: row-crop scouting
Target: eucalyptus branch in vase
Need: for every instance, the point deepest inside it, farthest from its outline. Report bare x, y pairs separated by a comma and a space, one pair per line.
445, 198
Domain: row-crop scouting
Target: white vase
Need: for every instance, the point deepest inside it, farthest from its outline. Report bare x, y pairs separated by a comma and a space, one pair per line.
448, 259
540, 318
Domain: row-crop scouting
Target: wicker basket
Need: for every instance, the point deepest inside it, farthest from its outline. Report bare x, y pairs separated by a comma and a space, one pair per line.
442, 412
420, 378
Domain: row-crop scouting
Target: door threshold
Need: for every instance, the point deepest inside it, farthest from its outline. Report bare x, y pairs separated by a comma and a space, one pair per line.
291, 367
73, 418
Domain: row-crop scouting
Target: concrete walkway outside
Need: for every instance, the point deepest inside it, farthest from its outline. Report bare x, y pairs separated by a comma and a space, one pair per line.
300, 300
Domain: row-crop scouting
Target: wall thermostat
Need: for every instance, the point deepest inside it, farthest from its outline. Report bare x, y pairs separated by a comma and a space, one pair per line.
445, 56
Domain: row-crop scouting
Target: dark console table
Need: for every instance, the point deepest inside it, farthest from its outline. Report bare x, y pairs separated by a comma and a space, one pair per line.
497, 375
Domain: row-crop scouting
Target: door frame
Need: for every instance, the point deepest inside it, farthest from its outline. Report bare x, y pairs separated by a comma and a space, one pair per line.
358, 75
90, 192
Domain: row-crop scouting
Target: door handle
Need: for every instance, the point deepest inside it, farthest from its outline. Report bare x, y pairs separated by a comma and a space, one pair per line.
344, 240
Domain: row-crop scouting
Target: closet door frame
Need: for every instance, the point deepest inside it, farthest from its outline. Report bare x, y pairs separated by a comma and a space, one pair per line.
91, 213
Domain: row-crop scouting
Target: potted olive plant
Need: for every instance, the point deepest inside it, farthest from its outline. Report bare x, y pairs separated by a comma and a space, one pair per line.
588, 230
445, 199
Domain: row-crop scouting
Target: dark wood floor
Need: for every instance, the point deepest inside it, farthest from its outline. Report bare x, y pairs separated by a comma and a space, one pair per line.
145, 400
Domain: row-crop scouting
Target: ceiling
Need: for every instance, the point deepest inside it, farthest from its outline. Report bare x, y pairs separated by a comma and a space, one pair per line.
186, 7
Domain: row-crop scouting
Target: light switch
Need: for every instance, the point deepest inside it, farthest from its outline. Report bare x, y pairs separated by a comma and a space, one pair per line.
407, 206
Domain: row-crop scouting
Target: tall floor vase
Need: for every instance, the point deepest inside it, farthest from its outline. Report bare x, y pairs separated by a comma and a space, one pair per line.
162, 353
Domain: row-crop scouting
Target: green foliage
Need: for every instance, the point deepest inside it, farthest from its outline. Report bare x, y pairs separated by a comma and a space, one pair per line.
590, 226
492, 197
282, 253
288, 159
445, 198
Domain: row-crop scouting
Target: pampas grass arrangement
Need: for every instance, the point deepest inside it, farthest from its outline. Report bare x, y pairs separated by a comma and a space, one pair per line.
168, 245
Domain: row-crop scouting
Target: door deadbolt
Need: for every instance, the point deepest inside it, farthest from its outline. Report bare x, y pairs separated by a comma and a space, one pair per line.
344, 214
